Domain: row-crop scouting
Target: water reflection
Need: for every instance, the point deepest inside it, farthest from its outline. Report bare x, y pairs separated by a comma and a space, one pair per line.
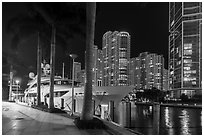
184, 122
173, 121
168, 120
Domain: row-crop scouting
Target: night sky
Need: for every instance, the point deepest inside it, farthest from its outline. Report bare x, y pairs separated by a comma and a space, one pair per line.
147, 23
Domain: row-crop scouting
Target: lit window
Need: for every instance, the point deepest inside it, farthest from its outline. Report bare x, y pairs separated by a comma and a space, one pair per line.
172, 23
177, 50
187, 52
188, 46
179, 62
188, 65
189, 79
187, 68
185, 79
188, 57
187, 60
193, 71
172, 49
194, 82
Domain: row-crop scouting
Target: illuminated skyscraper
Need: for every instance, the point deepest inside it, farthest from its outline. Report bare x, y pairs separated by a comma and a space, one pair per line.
116, 55
97, 66
185, 42
135, 72
132, 71
165, 80
154, 71
148, 72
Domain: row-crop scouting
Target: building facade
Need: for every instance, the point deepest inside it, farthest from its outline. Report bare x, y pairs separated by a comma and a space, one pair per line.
77, 70
135, 72
147, 71
151, 70
165, 80
185, 42
132, 71
116, 58
82, 77
97, 66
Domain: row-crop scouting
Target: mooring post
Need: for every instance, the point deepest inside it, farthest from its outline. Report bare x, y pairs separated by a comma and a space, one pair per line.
156, 118
128, 114
111, 109
62, 103
121, 115
45, 100
74, 105
94, 103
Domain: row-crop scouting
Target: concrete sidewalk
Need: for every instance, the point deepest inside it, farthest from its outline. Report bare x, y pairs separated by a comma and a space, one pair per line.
21, 120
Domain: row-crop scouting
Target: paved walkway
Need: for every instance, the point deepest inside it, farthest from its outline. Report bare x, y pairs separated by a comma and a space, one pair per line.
22, 120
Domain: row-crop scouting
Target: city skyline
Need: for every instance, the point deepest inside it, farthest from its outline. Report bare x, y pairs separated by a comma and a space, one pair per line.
13, 9
140, 71
147, 23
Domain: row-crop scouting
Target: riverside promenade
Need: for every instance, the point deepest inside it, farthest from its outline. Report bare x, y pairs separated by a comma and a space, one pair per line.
19, 119
23, 120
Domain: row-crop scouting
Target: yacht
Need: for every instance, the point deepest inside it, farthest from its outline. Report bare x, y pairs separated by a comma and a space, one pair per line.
102, 95
61, 87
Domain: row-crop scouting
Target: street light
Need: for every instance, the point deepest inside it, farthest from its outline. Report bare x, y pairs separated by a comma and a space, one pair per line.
73, 56
17, 81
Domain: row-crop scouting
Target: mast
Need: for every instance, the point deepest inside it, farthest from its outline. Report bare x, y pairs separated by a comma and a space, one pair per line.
63, 70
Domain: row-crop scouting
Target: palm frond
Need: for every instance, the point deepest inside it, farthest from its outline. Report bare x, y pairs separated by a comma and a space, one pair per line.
70, 20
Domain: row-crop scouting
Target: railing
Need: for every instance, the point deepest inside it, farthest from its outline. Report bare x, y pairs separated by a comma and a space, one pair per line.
170, 105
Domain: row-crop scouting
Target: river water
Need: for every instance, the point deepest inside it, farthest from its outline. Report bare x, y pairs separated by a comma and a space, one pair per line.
173, 120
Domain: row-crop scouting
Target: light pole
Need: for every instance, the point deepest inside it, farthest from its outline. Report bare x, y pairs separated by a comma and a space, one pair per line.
73, 56
17, 81
11, 85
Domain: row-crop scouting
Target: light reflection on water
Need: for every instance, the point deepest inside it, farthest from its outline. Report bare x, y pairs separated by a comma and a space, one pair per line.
173, 121
168, 120
184, 122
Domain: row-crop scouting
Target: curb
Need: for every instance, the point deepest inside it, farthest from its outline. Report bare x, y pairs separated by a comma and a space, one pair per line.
115, 129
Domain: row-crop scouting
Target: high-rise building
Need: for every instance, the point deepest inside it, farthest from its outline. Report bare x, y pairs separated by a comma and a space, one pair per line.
97, 66
165, 80
185, 42
147, 71
132, 71
152, 70
81, 77
116, 57
77, 70
135, 72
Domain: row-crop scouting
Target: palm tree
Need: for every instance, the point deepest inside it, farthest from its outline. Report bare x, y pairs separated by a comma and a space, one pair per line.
39, 61
67, 18
52, 66
87, 111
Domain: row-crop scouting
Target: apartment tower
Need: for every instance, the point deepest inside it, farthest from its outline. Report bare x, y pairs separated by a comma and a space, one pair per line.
185, 43
116, 57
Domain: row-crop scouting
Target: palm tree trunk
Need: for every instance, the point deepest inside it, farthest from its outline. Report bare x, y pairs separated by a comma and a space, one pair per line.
39, 71
87, 111
52, 67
